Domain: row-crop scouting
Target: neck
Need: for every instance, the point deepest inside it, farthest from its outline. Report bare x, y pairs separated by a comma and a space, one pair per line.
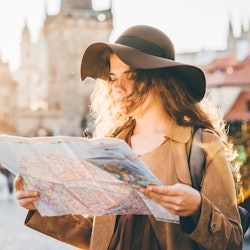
154, 121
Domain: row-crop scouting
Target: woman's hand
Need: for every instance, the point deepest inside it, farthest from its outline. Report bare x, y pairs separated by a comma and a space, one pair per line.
179, 199
25, 198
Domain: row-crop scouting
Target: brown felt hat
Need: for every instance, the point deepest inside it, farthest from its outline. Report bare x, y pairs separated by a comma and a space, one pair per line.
143, 47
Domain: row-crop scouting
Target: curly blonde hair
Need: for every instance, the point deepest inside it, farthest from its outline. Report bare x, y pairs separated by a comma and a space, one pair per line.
177, 101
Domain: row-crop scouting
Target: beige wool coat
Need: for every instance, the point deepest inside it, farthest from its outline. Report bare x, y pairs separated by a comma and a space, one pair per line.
218, 227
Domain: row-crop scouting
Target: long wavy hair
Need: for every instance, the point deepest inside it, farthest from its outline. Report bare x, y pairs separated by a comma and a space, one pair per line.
177, 102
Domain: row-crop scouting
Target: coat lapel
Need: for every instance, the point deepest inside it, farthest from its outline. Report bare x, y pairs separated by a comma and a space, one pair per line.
103, 229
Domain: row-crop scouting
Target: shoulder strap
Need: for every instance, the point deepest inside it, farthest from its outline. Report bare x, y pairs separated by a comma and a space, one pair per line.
197, 162
196, 158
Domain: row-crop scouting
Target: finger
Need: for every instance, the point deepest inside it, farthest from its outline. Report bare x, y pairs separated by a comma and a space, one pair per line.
162, 194
159, 198
151, 193
25, 194
28, 203
162, 190
162, 199
172, 190
18, 183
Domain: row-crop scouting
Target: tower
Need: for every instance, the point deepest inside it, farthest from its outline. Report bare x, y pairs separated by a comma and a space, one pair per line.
242, 45
68, 34
7, 99
26, 48
231, 41
75, 5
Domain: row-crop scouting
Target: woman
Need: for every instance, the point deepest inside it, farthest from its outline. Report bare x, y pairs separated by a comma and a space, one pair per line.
151, 101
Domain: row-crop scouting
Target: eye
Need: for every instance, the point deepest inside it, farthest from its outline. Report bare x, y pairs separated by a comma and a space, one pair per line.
112, 78
131, 75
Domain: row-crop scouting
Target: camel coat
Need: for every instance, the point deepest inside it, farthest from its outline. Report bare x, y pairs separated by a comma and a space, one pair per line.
217, 228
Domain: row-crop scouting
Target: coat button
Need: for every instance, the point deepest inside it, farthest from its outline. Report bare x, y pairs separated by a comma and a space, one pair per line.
212, 227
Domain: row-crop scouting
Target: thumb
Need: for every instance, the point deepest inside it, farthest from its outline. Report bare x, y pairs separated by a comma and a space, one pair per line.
18, 183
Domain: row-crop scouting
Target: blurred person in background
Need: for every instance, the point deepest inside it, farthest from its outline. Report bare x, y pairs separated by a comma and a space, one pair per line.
9, 176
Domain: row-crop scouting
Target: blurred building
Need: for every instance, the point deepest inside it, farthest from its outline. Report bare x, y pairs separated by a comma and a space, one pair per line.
7, 99
50, 94
227, 71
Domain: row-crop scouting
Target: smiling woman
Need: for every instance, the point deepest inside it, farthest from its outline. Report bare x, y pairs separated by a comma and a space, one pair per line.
152, 103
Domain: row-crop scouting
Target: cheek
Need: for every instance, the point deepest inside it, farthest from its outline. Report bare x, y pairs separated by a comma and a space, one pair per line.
130, 86
129, 90
122, 89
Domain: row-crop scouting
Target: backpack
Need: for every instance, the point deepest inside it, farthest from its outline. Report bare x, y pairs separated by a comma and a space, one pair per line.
197, 163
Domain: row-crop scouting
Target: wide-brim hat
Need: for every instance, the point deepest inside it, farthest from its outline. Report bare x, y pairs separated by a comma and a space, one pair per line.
143, 47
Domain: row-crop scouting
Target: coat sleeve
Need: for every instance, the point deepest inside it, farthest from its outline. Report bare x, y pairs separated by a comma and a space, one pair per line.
72, 229
219, 224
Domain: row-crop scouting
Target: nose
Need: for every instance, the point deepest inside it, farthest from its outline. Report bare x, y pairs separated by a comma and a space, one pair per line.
119, 84
117, 89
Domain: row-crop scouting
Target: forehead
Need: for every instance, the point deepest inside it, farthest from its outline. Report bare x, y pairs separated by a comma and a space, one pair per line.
117, 65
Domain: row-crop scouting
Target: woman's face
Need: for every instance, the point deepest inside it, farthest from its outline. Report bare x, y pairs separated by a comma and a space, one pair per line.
122, 84
121, 80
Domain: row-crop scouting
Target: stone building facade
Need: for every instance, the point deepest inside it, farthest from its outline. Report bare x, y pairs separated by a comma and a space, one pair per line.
7, 99
50, 94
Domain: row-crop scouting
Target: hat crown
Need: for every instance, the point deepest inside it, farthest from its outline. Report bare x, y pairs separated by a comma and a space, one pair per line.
148, 40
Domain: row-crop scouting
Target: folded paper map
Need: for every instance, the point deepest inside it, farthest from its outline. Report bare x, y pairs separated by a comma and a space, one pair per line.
76, 175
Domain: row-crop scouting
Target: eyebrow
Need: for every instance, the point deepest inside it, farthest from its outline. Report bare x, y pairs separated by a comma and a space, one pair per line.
125, 72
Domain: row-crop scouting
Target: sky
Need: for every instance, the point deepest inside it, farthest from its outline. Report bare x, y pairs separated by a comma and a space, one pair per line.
192, 25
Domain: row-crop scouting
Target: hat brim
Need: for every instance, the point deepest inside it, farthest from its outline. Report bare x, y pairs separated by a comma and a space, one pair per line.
93, 65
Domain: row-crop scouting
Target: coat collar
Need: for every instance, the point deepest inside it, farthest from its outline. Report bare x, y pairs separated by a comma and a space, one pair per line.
174, 132
178, 133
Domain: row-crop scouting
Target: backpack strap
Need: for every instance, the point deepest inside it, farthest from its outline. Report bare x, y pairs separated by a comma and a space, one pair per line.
197, 163
196, 158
